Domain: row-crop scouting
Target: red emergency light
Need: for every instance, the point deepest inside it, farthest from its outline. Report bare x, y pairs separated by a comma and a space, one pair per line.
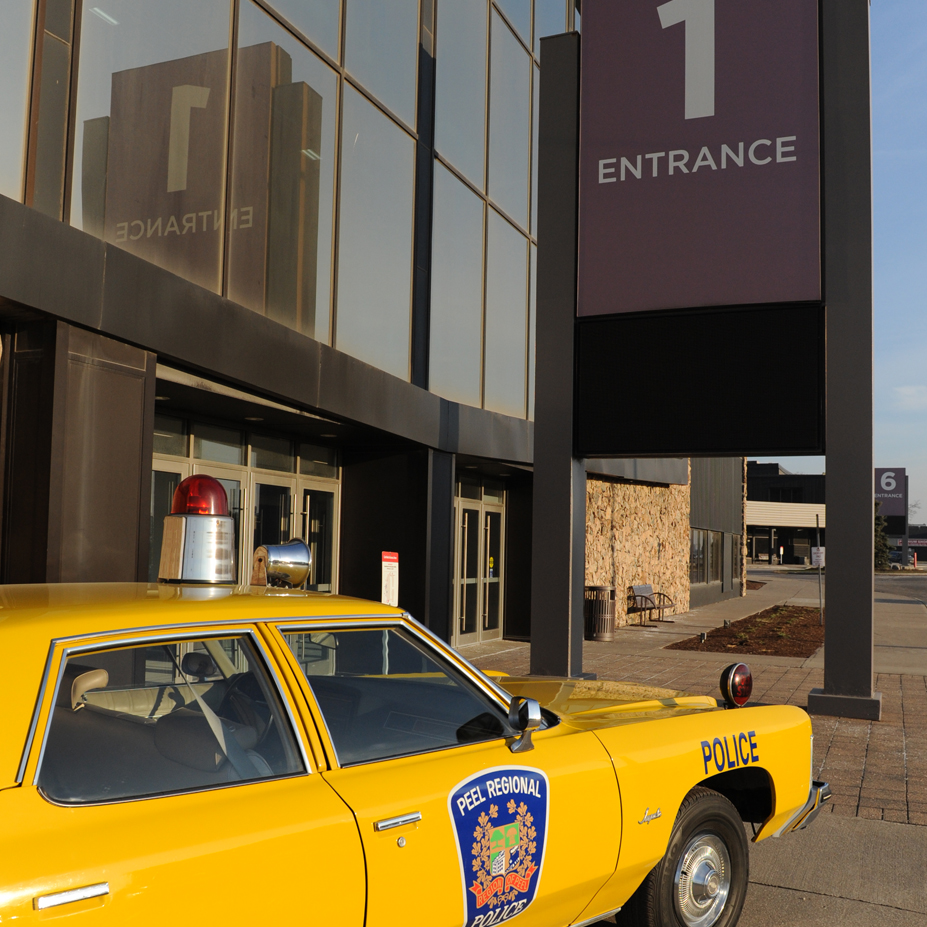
200, 495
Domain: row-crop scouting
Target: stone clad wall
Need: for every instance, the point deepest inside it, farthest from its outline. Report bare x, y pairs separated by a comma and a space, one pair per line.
638, 534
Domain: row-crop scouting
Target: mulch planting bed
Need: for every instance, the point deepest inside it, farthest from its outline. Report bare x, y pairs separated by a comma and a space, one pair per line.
781, 631
753, 585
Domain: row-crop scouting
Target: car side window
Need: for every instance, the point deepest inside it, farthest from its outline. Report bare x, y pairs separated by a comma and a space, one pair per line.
382, 694
167, 717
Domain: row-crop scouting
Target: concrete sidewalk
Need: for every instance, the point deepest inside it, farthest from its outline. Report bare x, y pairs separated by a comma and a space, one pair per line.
861, 864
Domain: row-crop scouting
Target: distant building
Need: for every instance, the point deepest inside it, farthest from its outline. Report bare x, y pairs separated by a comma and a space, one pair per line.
782, 509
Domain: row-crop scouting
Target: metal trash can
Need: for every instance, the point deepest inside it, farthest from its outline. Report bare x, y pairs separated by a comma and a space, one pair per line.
599, 613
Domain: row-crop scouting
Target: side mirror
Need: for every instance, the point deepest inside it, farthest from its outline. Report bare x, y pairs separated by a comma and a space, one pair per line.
525, 716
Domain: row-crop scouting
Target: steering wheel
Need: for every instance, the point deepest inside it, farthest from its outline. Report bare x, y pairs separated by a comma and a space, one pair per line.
241, 703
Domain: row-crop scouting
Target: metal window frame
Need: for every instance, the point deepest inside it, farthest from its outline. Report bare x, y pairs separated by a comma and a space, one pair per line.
215, 629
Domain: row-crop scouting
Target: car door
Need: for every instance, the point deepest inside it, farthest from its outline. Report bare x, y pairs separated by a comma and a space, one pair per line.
457, 829
132, 811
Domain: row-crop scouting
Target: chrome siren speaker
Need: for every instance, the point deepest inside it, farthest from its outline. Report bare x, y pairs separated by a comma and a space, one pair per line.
284, 565
199, 536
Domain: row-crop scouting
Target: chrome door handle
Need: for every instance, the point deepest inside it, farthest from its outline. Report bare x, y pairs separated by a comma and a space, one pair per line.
398, 821
41, 902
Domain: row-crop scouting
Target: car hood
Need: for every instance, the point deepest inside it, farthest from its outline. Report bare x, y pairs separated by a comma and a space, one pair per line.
593, 703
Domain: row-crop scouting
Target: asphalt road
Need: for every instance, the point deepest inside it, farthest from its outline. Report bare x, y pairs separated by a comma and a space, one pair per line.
909, 584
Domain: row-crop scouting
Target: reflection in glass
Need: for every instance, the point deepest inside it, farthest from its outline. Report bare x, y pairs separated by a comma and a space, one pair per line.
456, 291
505, 353
170, 436
283, 160
460, 87
549, 19
532, 324
381, 51
16, 54
223, 445
509, 122
318, 514
316, 19
375, 239
150, 146
519, 14
270, 453
271, 515
318, 461
535, 121
162, 494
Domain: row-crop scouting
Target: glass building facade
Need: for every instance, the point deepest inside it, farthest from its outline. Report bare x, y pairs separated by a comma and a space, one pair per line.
290, 244
363, 173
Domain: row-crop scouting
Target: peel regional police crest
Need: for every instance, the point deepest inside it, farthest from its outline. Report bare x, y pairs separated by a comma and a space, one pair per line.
500, 822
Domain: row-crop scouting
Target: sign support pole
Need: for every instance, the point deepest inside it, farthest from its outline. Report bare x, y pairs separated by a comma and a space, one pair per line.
847, 147
558, 554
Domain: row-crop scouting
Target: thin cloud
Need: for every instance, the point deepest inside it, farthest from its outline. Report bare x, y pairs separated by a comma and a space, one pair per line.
910, 398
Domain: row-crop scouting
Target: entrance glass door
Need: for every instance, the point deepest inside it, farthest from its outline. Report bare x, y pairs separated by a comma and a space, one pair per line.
478, 572
318, 518
272, 500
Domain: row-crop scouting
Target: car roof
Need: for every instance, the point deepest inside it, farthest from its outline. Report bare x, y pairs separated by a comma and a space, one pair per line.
71, 609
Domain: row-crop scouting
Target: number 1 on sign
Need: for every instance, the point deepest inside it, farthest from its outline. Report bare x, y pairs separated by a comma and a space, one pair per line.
699, 17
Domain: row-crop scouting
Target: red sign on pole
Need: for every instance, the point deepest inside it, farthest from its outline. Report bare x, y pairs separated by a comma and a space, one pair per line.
700, 161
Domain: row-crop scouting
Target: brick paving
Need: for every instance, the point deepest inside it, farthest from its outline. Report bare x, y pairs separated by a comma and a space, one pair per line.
877, 770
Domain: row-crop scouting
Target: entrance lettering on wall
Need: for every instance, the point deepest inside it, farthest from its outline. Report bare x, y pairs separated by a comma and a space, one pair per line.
207, 221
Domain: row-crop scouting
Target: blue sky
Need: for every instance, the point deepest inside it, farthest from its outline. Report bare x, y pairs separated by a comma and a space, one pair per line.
899, 165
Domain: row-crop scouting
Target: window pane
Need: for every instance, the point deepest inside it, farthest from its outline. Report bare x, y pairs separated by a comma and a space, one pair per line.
381, 51
535, 122
150, 148
162, 495
532, 326
283, 177
318, 461
136, 721
382, 695
456, 291
519, 14
316, 19
272, 507
375, 241
460, 87
505, 355
509, 122
170, 436
271, 453
549, 19
210, 442
16, 55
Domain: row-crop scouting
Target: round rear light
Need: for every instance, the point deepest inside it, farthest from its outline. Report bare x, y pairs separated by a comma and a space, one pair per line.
737, 684
200, 495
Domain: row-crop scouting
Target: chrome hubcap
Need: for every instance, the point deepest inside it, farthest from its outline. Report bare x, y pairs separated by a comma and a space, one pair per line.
703, 881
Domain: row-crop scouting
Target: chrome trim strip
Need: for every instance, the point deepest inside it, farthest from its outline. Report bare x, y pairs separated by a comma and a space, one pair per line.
186, 625
153, 796
596, 919
294, 727
389, 823
187, 634
41, 902
35, 714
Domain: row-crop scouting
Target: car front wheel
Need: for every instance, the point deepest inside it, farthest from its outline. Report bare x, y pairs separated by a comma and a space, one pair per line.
702, 879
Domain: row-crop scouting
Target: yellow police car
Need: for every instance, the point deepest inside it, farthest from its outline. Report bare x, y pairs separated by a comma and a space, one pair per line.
174, 753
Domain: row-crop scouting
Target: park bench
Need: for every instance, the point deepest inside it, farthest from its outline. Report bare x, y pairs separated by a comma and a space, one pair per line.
646, 602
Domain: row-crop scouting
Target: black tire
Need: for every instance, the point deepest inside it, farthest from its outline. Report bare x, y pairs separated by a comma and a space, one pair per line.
708, 839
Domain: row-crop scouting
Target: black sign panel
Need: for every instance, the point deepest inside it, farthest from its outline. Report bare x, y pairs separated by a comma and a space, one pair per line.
710, 383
